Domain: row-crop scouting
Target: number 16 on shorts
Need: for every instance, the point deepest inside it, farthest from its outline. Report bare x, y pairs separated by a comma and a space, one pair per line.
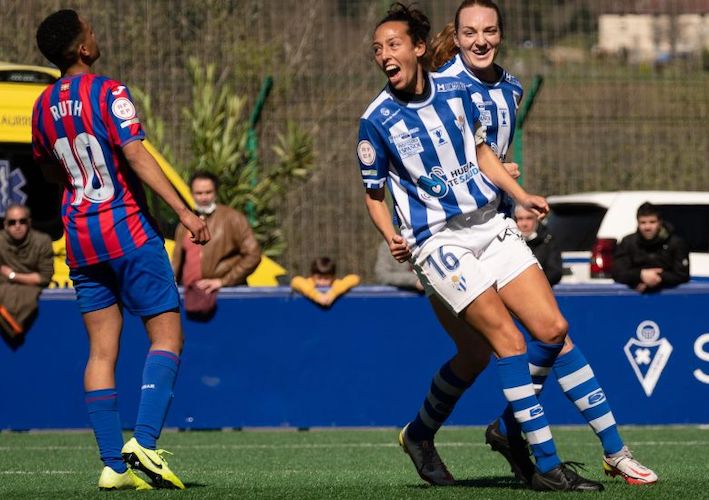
454, 274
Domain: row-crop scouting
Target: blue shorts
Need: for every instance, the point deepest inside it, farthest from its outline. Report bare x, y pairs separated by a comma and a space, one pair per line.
142, 281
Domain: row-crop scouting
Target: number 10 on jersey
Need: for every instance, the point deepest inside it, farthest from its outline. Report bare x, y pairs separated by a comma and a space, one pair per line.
86, 165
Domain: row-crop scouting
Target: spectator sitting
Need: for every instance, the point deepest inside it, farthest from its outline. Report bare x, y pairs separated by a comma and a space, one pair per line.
322, 276
233, 252
541, 242
26, 266
391, 272
653, 257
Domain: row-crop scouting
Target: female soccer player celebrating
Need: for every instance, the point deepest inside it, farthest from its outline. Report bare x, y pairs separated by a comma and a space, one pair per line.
467, 49
421, 136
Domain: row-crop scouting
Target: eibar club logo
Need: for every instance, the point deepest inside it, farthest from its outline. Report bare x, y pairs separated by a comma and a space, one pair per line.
648, 354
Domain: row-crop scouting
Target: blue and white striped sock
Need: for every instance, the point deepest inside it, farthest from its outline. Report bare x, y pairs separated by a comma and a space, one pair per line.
541, 359
519, 391
446, 389
579, 384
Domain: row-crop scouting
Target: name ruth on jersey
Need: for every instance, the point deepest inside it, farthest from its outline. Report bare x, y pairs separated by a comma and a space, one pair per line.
64, 108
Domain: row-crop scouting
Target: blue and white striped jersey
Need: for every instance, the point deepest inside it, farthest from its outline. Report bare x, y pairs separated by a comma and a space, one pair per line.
497, 102
425, 152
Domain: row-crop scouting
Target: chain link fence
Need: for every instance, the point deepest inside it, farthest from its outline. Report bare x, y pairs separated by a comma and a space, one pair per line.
624, 104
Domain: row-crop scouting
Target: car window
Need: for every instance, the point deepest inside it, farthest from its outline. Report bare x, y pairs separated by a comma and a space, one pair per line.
575, 225
691, 222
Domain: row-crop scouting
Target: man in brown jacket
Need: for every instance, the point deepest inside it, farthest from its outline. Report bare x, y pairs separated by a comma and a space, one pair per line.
26, 266
233, 252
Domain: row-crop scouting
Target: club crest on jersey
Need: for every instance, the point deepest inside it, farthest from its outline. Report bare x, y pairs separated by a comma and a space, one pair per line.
435, 184
459, 282
648, 354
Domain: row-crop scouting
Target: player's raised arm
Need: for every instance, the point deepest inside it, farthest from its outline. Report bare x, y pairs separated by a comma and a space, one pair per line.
145, 166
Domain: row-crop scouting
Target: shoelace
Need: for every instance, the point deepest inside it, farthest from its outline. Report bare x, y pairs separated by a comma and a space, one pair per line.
571, 468
162, 453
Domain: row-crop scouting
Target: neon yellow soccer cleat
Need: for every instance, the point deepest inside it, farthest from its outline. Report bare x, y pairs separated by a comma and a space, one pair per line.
129, 480
152, 463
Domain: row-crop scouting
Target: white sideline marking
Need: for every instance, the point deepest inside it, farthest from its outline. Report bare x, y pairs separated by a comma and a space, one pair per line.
20, 472
452, 444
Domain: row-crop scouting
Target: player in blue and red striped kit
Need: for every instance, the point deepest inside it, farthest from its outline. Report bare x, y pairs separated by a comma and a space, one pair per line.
86, 135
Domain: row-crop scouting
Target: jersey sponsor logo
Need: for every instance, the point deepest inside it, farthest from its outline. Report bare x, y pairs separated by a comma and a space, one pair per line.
648, 355
390, 116
481, 104
485, 116
385, 111
409, 147
450, 86
366, 153
118, 90
396, 139
122, 108
435, 184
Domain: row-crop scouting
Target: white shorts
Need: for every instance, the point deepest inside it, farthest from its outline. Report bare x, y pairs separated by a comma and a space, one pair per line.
471, 254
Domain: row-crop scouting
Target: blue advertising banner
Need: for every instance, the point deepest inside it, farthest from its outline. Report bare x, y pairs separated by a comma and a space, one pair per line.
272, 358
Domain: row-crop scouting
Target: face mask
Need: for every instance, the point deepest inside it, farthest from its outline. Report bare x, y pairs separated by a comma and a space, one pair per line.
205, 209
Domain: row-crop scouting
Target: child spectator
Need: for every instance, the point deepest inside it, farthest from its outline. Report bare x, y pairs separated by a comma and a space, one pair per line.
321, 286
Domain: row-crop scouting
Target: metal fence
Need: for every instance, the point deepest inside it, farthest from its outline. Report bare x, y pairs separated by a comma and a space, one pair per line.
609, 116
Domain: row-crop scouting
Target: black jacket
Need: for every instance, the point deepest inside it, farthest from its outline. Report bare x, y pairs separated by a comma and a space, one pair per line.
666, 250
547, 253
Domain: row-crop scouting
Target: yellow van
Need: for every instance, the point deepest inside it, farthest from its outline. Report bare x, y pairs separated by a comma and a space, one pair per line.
22, 182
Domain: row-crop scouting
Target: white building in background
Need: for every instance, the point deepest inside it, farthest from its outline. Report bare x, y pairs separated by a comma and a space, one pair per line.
648, 37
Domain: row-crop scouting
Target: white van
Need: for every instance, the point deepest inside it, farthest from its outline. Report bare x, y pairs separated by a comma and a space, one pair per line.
587, 227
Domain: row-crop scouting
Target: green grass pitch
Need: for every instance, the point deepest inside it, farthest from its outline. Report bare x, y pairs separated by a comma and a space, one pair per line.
344, 464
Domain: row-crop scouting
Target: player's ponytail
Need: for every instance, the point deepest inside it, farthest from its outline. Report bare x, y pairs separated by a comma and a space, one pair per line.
443, 46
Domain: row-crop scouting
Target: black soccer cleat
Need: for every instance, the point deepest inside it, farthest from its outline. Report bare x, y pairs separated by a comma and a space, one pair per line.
516, 454
563, 478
